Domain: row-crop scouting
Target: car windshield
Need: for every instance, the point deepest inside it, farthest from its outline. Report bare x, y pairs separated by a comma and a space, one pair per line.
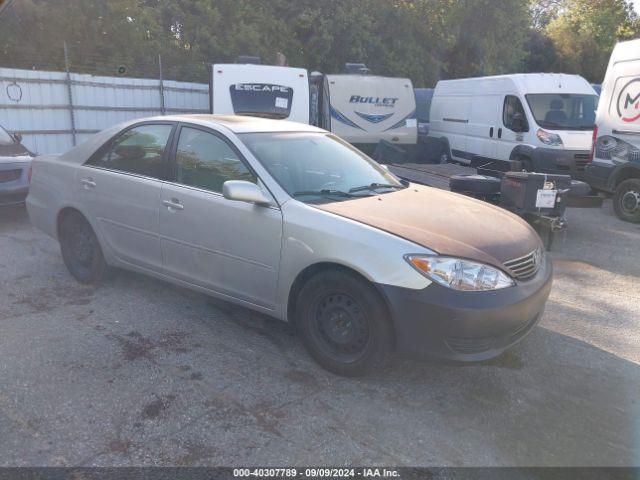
313, 166
566, 111
5, 138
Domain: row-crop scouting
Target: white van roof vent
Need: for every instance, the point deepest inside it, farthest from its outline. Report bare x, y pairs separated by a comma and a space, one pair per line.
356, 69
248, 59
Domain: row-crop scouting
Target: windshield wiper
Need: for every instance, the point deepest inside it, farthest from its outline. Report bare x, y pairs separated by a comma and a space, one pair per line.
374, 186
323, 192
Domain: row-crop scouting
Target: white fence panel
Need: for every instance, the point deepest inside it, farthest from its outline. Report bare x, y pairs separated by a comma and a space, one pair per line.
37, 104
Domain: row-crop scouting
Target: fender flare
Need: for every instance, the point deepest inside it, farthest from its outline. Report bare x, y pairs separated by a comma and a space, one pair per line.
621, 173
522, 151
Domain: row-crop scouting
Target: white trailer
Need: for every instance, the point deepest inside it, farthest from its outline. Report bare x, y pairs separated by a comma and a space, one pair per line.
260, 91
362, 109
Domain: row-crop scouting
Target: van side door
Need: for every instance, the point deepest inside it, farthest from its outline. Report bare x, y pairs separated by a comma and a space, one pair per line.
483, 128
513, 126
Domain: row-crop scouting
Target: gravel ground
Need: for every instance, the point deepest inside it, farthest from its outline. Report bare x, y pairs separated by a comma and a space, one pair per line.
139, 372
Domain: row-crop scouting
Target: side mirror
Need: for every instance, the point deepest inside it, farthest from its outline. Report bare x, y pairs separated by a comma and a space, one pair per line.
17, 137
243, 191
517, 123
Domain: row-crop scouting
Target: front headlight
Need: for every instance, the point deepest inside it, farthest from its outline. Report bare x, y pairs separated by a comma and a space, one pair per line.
548, 138
460, 274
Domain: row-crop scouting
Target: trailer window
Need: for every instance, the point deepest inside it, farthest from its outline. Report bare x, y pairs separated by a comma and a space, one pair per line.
261, 100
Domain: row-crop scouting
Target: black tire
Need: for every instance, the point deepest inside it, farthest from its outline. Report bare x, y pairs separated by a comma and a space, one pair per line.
81, 250
343, 323
477, 184
527, 164
626, 200
445, 153
579, 189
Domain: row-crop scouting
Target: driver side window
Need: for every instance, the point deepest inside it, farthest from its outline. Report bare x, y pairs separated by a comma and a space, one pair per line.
513, 109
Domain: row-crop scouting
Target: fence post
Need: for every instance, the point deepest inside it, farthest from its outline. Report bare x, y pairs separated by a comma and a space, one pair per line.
70, 95
162, 109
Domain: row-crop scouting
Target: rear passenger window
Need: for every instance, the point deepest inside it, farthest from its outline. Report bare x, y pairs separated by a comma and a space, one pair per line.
138, 150
206, 161
513, 105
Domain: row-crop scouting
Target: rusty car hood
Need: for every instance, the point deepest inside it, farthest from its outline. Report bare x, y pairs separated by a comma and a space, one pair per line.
448, 223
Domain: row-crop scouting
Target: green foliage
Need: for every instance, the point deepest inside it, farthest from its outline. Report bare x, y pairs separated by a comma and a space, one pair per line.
585, 32
423, 39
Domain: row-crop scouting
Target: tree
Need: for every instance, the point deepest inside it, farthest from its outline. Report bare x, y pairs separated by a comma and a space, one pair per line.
487, 37
585, 32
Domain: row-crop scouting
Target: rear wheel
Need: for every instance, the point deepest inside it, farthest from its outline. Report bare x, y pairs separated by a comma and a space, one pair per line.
81, 251
343, 324
626, 200
445, 153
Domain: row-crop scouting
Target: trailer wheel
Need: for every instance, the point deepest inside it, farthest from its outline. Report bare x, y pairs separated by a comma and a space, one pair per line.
475, 184
626, 200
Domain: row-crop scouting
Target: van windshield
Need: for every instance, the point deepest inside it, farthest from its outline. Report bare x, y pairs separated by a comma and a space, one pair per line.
564, 111
315, 166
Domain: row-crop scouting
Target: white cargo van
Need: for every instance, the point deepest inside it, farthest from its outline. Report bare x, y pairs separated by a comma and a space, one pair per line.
616, 150
260, 90
543, 120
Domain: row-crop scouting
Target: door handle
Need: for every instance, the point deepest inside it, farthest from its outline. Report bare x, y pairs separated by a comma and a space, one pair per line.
491, 132
173, 203
500, 133
88, 183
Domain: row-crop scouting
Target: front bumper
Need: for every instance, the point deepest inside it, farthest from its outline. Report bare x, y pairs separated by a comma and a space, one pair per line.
558, 161
14, 191
466, 326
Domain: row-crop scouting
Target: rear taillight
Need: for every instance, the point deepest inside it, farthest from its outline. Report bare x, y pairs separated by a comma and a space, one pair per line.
594, 139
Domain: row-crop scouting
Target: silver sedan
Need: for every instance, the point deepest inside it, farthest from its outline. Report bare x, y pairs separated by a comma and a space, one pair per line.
289, 220
15, 169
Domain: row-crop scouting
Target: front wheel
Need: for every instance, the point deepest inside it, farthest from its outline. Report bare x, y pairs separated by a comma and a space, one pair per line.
343, 324
626, 200
81, 251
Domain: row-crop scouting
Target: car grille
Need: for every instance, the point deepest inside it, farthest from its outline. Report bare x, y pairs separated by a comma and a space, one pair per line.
9, 175
525, 267
581, 160
471, 346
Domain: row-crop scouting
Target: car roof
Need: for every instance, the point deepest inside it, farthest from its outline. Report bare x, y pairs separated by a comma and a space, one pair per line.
241, 123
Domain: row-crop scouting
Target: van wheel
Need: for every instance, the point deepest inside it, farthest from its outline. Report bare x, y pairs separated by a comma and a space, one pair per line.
527, 164
80, 249
445, 154
343, 324
626, 200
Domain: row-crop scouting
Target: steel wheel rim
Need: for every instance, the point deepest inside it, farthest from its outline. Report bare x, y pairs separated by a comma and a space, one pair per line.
630, 202
340, 327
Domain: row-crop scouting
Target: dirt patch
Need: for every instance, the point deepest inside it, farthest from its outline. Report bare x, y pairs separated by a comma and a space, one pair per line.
47, 298
507, 360
119, 446
302, 378
195, 453
136, 346
266, 416
154, 408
